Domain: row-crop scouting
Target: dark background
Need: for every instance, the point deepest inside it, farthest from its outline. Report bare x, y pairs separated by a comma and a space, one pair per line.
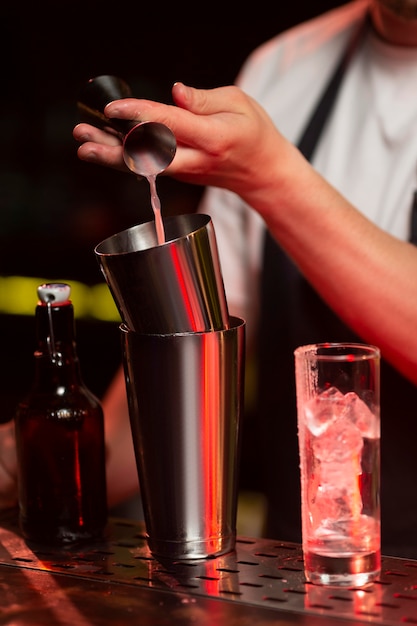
55, 209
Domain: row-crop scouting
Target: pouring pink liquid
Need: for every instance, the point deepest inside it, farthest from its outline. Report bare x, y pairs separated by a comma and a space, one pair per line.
156, 206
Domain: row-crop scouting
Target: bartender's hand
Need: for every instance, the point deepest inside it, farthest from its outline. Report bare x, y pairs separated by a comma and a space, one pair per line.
224, 137
8, 466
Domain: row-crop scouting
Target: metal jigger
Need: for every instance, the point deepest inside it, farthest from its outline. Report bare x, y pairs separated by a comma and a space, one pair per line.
148, 147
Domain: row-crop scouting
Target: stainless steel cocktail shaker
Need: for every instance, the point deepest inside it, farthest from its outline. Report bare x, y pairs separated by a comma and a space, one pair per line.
170, 288
185, 394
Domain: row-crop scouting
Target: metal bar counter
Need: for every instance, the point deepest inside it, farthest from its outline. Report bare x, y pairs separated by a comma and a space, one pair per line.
119, 582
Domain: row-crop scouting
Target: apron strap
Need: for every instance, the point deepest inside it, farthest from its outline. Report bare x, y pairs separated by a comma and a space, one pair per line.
311, 134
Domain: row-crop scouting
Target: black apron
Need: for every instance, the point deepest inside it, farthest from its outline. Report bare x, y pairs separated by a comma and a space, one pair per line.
293, 314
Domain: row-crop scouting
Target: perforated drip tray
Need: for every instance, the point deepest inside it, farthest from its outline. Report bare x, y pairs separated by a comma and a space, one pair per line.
261, 572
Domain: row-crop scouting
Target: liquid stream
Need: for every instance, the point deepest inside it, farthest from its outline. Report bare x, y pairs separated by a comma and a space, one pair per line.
156, 206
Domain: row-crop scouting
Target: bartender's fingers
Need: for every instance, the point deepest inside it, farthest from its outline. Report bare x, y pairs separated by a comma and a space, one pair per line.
85, 132
99, 146
110, 156
8, 466
184, 124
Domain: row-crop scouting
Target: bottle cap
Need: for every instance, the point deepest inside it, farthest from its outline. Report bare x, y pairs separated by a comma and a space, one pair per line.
56, 293
52, 295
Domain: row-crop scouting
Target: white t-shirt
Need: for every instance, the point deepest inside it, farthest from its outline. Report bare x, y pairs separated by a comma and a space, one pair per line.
368, 150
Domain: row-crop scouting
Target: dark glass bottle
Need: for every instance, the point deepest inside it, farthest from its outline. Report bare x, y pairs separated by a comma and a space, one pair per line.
60, 435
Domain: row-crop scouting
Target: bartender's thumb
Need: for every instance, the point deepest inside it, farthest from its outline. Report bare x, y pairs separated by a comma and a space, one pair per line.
199, 101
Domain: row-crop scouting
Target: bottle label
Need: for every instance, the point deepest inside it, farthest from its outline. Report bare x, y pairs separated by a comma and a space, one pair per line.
67, 414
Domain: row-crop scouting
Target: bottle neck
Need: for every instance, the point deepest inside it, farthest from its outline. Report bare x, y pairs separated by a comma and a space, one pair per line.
56, 359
